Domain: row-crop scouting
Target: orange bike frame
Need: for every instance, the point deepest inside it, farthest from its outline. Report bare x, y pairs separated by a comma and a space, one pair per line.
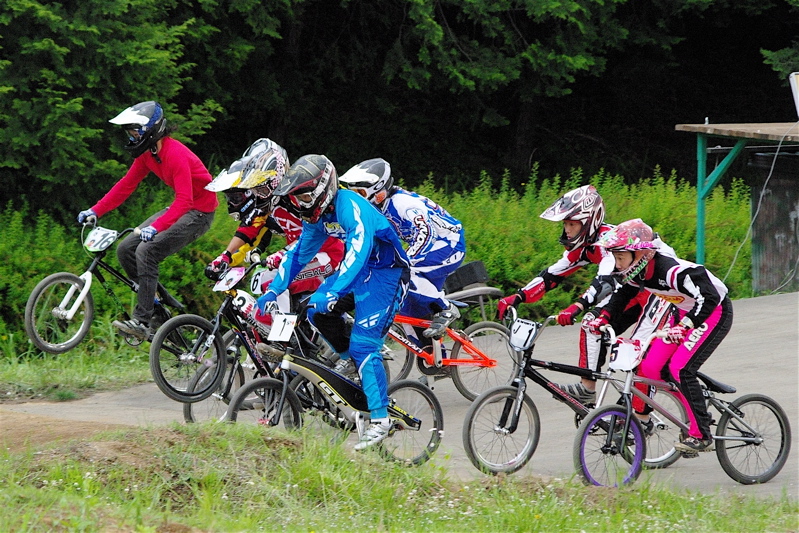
476, 357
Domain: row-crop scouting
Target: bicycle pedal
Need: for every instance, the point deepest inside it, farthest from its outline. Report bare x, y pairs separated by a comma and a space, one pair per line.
689, 455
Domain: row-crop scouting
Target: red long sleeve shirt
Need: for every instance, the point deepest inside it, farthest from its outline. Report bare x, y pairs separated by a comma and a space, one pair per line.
180, 169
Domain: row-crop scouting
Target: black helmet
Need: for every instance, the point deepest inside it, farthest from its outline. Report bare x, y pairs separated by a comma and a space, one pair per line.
144, 124
311, 184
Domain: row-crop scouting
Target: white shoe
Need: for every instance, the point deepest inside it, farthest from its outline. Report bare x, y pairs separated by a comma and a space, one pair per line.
376, 432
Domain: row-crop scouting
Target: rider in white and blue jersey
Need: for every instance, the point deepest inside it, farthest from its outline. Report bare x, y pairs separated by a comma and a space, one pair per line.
375, 270
435, 239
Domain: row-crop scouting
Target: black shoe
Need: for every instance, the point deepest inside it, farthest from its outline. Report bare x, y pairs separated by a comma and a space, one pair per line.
649, 427
692, 445
133, 327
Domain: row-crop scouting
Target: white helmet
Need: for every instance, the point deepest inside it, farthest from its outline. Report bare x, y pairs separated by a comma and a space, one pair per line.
583, 205
371, 179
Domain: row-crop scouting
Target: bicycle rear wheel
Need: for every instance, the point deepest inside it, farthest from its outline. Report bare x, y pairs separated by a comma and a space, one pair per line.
257, 402
417, 423
603, 455
492, 340
179, 349
660, 450
489, 444
44, 317
748, 462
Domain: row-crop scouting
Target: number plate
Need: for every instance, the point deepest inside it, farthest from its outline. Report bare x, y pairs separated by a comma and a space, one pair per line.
523, 334
282, 327
99, 239
231, 277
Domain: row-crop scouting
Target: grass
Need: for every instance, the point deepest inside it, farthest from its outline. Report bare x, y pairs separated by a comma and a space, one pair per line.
102, 362
223, 477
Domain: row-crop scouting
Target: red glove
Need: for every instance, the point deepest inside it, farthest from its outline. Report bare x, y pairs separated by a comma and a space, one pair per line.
593, 325
508, 301
219, 265
566, 317
273, 261
676, 334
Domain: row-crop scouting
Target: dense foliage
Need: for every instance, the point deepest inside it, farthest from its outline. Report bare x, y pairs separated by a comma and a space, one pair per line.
447, 87
502, 227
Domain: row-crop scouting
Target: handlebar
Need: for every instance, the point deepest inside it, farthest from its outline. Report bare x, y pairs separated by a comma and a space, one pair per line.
612, 337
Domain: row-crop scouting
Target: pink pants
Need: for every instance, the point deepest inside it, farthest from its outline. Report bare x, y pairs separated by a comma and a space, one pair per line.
684, 361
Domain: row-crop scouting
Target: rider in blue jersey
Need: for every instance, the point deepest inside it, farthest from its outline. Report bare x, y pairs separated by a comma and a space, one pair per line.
435, 239
375, 270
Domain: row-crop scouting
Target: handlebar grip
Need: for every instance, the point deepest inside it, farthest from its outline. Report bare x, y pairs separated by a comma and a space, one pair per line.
136, 231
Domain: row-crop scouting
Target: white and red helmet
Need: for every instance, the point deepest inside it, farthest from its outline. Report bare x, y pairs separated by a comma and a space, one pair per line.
583, 205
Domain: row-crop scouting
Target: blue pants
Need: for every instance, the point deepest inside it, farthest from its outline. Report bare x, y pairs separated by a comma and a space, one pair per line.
378, 296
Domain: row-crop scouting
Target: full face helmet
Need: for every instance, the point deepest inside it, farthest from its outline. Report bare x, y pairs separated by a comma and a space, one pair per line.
240, 201
371, 179
265, 169
583, 205
631, 236
310, 184
144, 123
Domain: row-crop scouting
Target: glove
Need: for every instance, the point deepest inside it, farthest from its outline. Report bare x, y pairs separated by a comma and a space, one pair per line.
566, 317
83, 215
676, 334
267, 303
508, 301
148, 233
594, 324
323, 301
273, 261
217, 266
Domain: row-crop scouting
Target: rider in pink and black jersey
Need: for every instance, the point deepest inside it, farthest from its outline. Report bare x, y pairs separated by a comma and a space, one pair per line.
705, 317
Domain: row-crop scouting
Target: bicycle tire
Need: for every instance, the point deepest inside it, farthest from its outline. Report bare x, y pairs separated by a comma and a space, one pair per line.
256, 402
491, 339
47, 332
493, 449
179, 350
660, 450
754, 463
401, 364
602, 455
319, 417
412, 446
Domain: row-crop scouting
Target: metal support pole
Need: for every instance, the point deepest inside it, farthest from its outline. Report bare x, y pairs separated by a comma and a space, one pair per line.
705, 184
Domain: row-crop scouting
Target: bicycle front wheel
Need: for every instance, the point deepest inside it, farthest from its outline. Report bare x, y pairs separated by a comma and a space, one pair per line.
45, 321
491, 339
490, 444
258, 402
603, 455
660, 450
753, 416
180, 348
417, 423
401, 359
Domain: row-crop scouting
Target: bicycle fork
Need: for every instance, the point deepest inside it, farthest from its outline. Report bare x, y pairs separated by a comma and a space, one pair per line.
512, 408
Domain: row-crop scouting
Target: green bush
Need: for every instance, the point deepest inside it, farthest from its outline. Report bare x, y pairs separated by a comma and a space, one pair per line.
503, 229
